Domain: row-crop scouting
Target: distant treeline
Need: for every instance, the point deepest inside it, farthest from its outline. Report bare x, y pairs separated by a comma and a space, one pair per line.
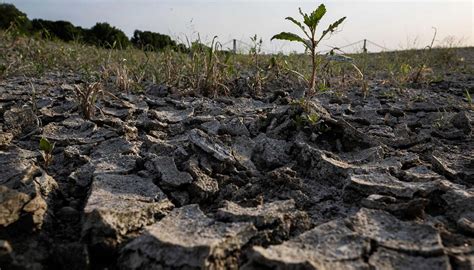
101, 34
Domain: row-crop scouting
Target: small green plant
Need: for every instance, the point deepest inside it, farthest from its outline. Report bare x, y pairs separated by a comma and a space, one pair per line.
405, 69
307, 117
313, 118
310, 41
46, 148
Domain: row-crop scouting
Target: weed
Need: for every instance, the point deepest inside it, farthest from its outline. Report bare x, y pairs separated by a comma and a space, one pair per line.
122, 80
87, 97
311, 21
441, 121
209, 82
422, 66
390, 94
257, 79
418, 98
256, 49
303, 104
344, 59
201, 69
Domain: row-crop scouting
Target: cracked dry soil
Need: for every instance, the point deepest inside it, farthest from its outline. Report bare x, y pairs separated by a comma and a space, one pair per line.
160, 181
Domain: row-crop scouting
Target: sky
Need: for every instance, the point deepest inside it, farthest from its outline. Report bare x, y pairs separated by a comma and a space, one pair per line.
401, 24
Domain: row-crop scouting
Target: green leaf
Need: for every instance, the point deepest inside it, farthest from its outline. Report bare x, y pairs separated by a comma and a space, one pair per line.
298, 24
46, 146
306, 19
317, 15
290, 37
332, 27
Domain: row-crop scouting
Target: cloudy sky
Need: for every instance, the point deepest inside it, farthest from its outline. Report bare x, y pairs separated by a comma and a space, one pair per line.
391, 24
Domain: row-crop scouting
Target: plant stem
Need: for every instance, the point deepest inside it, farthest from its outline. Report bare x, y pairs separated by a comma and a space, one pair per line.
313, 73
313, 61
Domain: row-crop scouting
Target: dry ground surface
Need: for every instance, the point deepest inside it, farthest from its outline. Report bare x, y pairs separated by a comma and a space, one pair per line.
162, 178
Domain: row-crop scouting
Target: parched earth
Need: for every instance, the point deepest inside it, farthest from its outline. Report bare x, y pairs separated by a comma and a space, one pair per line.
159, 181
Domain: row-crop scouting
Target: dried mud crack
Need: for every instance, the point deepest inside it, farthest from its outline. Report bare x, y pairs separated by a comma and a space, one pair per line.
159, 181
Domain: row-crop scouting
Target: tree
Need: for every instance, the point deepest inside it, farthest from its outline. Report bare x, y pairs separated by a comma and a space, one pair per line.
152, 41
63, 30
11, 16
105, 35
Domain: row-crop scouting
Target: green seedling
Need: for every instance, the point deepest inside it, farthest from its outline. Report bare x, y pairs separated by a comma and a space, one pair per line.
313, 118
311, 40
405, 69
46, 149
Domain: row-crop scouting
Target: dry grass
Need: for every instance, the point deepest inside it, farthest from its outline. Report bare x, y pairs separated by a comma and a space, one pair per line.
215, 72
